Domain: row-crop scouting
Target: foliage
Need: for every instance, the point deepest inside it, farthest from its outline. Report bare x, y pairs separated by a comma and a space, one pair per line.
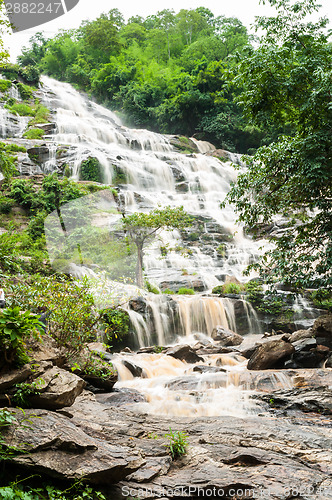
150, 288
171, 72
72, 320
34, 133
7, 418
116, 323
20, 108
15, 327
94, 367
228, 288
6, 204
5, 85
287, 84
168, 291
255, 293
23, 391
31, 489
11, 148
25, 91
322, 298
7, 165
91, 170
186, 291
142, 227
178, 443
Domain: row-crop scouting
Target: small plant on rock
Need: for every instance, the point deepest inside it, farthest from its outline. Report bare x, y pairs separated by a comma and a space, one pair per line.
177, 444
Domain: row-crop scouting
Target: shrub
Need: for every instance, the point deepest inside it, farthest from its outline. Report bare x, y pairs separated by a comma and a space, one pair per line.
41, 115
186, 291
5, 85
116, 324
168, 291
178, 443
150, 288
322, 298
229, 288
20, 108
30, 73
6, 204
23, 391
91, 170
11, 148
25, 91
7, 165
34, 133
15, 328
255, 292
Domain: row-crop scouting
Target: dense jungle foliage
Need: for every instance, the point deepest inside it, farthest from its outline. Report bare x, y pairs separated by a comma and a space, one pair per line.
170, 72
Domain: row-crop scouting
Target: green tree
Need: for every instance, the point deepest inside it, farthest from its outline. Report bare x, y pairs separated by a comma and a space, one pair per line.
287, 85
142, 227
4, 26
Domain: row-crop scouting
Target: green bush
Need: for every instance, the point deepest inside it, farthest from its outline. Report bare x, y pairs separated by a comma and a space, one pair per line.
41, 115
34, 133
186, 291
7, 165
11, 148
15, 328
168, 291
150, 288
20, 108
178, 443
5, 85
10, 70
91, 170
30, 73
255, 293
219, 289
23, 391
6, 204
322, 298
116, 324
25, 91
230, 288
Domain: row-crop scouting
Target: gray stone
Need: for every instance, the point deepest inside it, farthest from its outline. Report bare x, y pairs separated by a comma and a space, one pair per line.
269, 354
185, 353
14, 377
226, 337
322, 330
135, 370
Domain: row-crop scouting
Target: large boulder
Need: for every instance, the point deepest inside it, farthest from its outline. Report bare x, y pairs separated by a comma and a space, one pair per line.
185, 353
269, 354
322, 330
226, 337
52, 445
58, 388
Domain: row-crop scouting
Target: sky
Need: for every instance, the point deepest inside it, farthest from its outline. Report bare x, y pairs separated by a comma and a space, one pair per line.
245, 10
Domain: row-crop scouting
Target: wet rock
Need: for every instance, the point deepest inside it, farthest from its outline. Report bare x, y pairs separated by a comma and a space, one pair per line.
121, 397
300, 334
48, 128
208, 369
305, 344
58, 388
328, 363
317, 399
226, 337
138, 305
135, 370
269, 354
54, 446
322, 330
103, 382
38, 154
14, 377
185, 353
311, 359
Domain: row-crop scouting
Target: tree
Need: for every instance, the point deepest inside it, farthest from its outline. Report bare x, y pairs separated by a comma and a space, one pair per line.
287, 83
4, 27
142, 227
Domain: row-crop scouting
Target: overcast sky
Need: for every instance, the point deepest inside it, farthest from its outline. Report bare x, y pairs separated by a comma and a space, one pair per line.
245, 10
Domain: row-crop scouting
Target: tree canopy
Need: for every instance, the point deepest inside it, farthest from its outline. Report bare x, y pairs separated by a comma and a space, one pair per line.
287, 84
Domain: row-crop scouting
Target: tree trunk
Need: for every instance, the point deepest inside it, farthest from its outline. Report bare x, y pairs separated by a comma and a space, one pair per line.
139, 266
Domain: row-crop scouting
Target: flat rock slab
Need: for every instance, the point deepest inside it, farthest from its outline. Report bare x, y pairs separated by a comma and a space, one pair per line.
55, 446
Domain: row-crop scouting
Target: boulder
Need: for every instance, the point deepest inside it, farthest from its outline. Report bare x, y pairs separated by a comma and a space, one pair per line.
301, 334
14, 377
58, 388
39, 154
121, 397
269, 354
135, 370
328, 363
226, 337
208, 369
308, 359
138, 305
53, 446
322, 330
185, 353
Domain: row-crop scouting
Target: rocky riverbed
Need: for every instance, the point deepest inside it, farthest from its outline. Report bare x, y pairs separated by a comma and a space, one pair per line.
279, 450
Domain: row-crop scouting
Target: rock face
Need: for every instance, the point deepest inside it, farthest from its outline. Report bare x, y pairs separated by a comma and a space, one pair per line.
269, 354
226, 337
185, 353
58, 448
58, 388
322, 330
